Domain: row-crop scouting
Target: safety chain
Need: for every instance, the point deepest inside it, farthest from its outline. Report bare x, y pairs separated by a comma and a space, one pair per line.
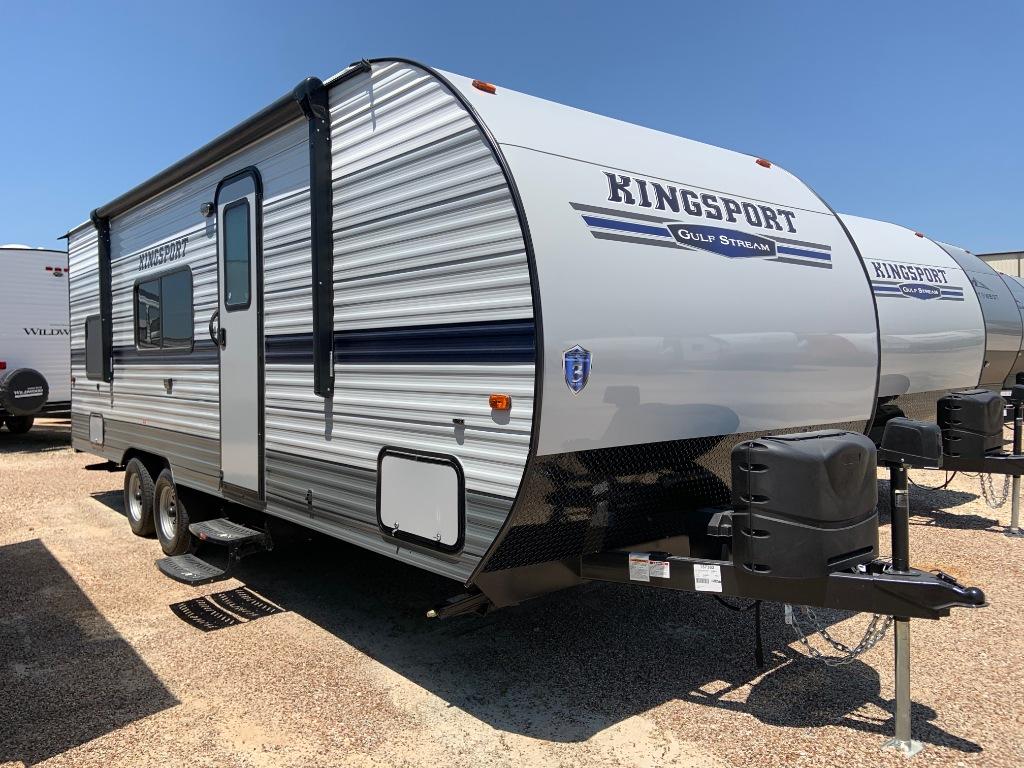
874, 633
994, 500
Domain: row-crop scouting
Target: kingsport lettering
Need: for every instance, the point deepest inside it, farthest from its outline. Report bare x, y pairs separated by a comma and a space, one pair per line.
161, 254
892, 271
644, 193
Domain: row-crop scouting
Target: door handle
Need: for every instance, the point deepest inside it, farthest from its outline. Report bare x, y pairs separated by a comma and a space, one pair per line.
217, 334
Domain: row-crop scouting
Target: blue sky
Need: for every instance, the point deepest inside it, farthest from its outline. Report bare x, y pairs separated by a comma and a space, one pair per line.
911, 112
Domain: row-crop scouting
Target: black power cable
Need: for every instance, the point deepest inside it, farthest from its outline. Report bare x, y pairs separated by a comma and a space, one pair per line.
756, 605
949, 479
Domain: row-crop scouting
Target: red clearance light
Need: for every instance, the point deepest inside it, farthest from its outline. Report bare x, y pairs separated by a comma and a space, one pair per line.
480, 85
763, 163
919, 234
500, 402
3, 365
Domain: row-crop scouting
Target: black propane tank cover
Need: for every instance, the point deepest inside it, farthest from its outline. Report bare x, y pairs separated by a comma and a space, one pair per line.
917, 443
804, 504
971, 422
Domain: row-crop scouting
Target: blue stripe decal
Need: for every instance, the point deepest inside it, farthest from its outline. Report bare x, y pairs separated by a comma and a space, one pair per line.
804, 253
499, 341
625, 226
203, 352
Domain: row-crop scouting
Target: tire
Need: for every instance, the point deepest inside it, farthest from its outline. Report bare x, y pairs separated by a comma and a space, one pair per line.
23, 391
19, 425
138, 498
170, 517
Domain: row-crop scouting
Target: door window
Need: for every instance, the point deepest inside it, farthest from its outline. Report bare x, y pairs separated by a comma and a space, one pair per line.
237, 255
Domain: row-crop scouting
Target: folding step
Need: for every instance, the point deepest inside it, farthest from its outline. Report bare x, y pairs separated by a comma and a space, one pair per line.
189, 569
223, 531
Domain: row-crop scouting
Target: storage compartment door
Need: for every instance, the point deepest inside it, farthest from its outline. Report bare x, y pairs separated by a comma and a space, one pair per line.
421, 498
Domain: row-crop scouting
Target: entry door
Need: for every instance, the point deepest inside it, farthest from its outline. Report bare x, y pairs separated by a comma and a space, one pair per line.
240, 333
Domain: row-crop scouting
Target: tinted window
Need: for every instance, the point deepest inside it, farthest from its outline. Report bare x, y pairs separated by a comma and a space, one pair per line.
163, 311
176, 303
236, 255
147, 314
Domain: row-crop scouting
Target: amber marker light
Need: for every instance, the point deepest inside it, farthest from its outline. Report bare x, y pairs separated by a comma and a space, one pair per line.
480, 85
500, 402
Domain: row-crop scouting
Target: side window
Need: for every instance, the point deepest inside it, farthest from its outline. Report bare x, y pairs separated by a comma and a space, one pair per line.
94, 348
176, 301
163, 312
237, 255
147, 314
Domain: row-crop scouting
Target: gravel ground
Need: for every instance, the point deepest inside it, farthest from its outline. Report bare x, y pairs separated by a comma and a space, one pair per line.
95, 669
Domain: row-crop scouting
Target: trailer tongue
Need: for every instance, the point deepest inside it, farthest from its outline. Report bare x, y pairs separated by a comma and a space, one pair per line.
872, 588
803, 529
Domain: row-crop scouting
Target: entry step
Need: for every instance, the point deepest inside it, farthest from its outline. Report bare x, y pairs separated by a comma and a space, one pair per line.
223, 531
189, 569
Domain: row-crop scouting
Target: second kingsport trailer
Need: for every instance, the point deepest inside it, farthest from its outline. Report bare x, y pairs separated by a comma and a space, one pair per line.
951, 335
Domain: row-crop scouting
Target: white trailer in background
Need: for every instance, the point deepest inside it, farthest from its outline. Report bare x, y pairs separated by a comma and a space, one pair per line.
35, 340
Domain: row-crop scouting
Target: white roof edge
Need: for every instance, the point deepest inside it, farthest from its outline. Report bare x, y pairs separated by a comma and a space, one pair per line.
20, 247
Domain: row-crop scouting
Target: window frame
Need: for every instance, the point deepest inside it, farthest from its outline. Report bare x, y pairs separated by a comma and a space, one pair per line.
182, 349
240, 202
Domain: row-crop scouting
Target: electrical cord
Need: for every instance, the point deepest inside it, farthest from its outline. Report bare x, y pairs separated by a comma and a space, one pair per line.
949, 479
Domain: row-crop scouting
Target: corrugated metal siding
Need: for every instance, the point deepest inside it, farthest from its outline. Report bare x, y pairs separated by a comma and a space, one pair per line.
1007, 263
425, 234
138, 393
84, 286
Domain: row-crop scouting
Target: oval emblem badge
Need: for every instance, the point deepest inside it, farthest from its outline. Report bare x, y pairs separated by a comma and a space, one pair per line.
919, 290
576, 363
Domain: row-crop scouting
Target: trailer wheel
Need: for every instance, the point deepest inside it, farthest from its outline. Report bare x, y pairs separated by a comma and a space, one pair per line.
138, 498
171, 517
19, 425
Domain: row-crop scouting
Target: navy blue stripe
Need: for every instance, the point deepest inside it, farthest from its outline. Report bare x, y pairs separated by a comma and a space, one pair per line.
204, 351
804, 253
500, 341
625, 226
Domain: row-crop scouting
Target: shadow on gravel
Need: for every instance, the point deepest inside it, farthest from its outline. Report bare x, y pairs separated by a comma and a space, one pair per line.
112, 500
66, 675
934, 504
804, 694
48, 435
569, 665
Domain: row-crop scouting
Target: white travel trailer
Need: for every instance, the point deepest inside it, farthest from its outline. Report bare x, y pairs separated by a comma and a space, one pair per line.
503, 340
35, 343
947, 320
